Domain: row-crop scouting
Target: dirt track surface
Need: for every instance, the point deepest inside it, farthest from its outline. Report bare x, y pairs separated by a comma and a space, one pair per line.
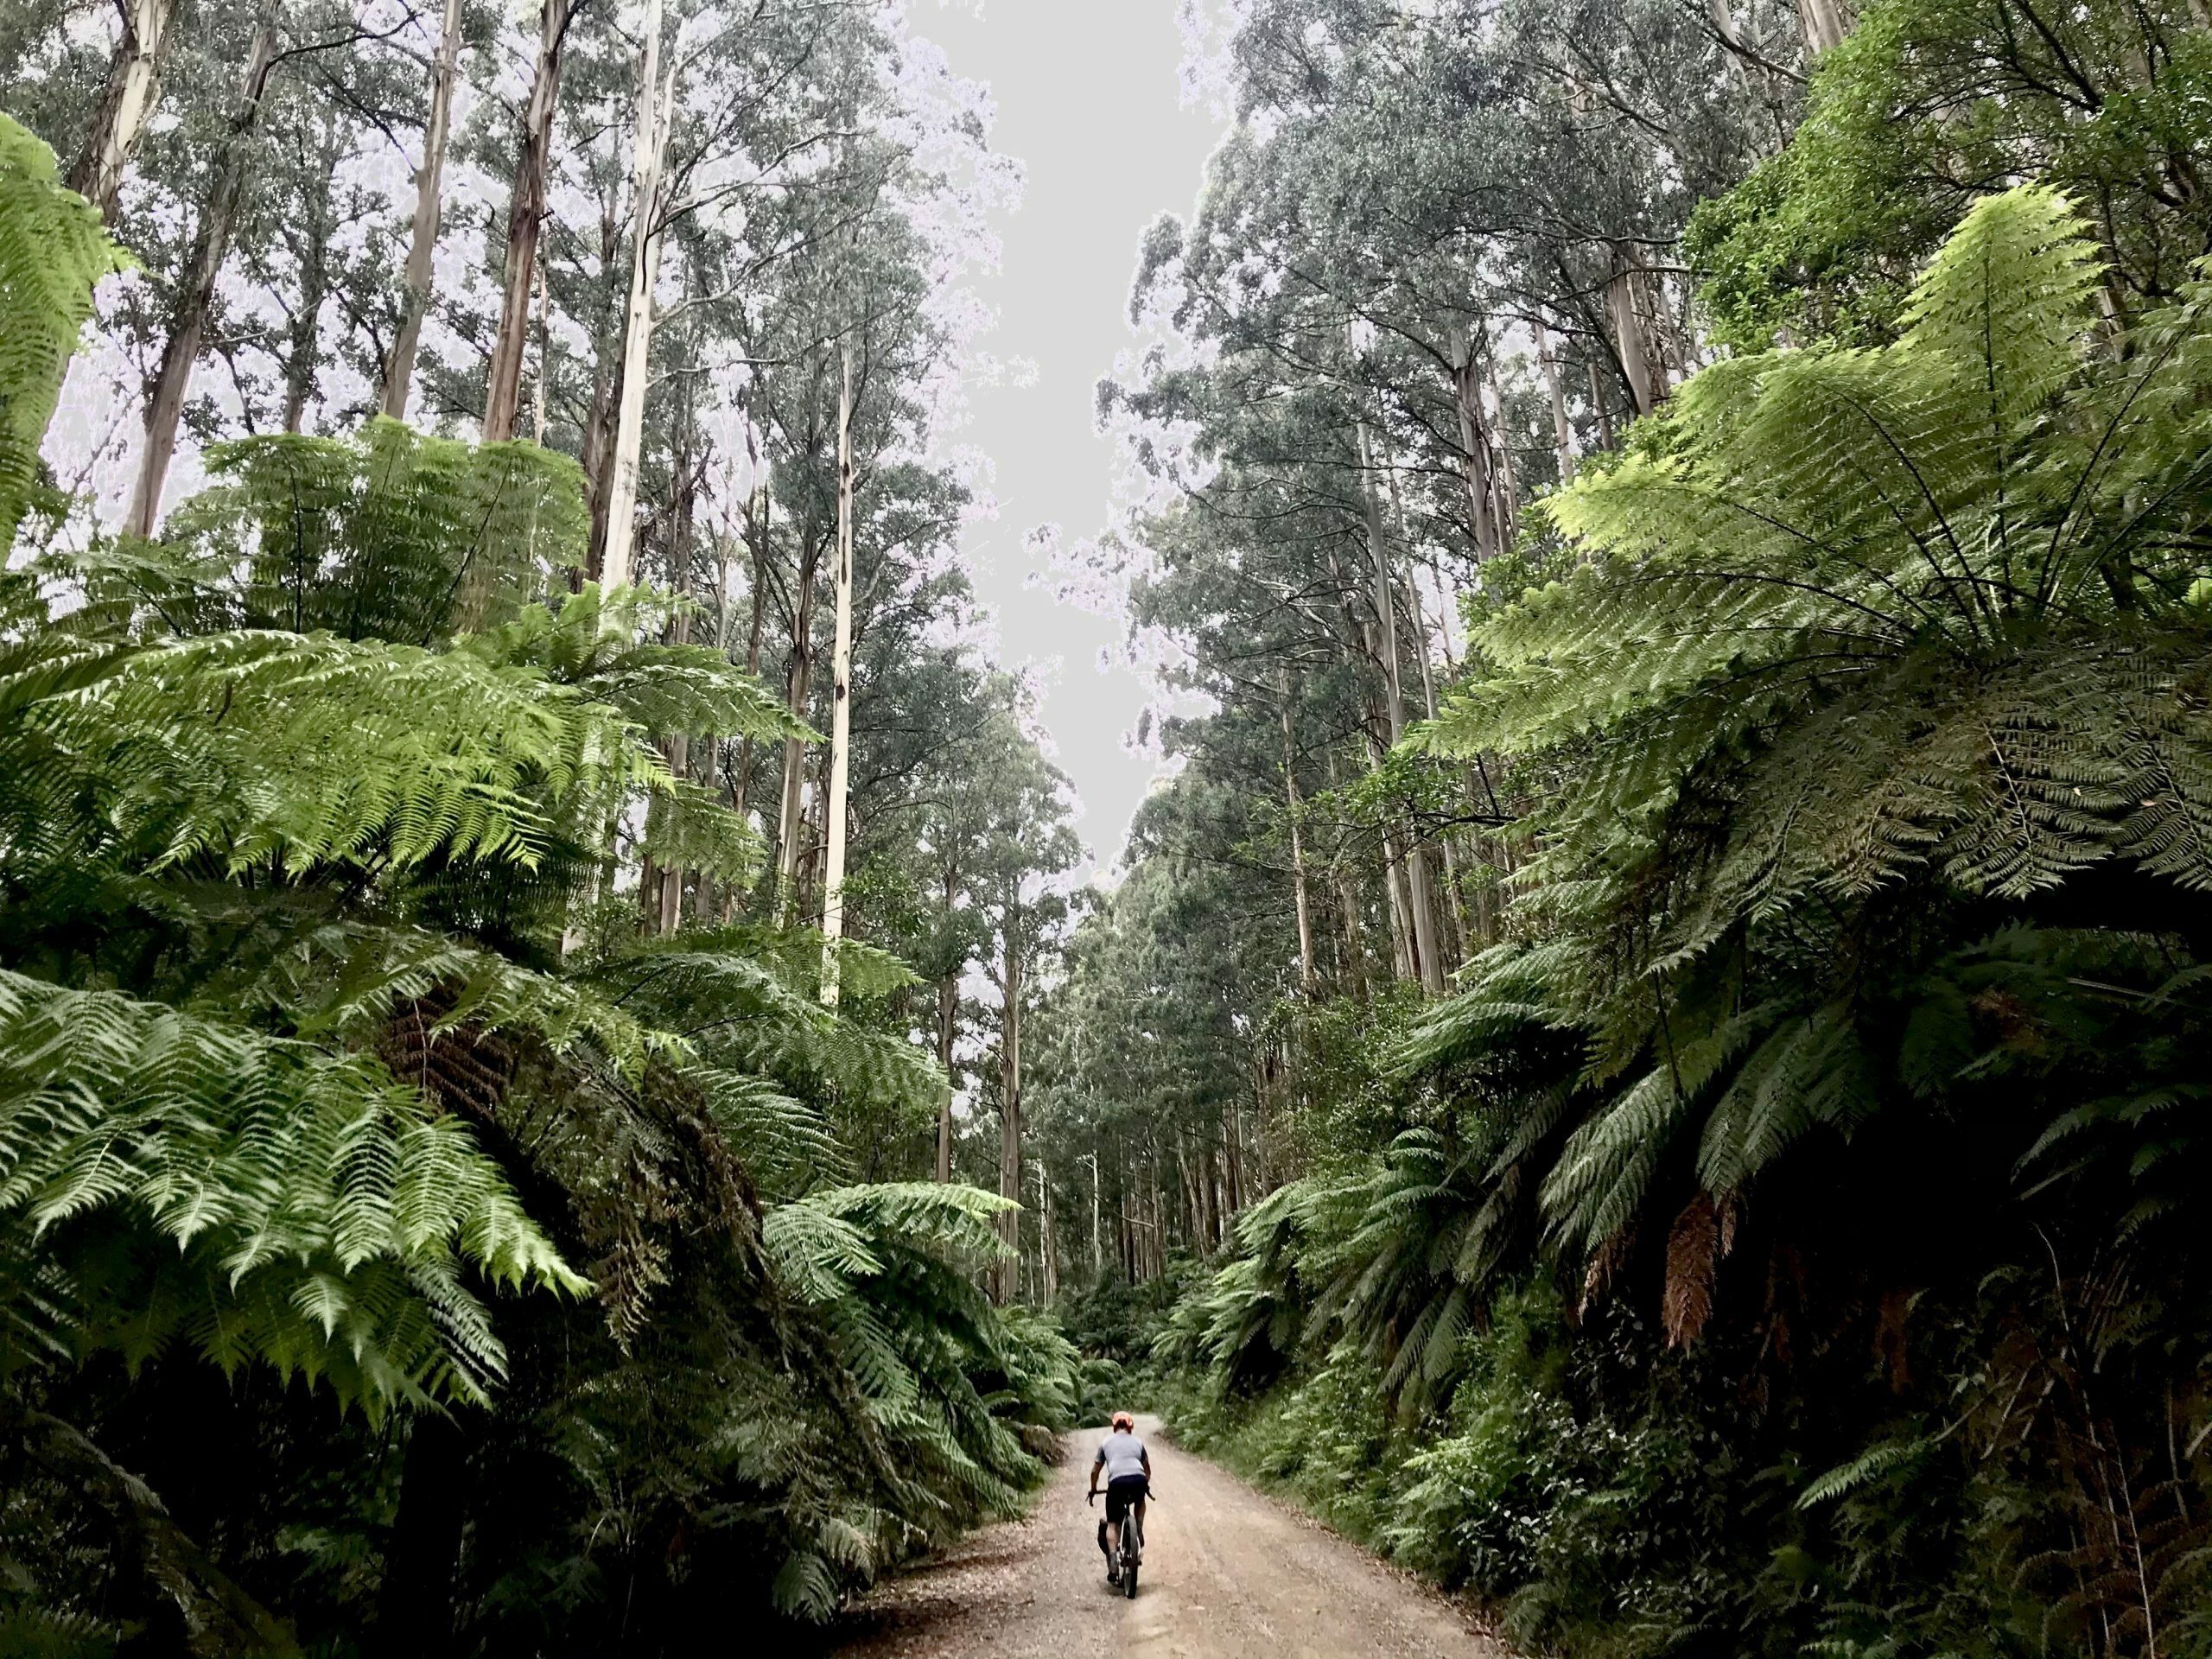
1228, 1574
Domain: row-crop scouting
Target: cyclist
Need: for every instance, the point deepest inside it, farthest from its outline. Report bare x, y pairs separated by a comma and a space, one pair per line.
1128, 1468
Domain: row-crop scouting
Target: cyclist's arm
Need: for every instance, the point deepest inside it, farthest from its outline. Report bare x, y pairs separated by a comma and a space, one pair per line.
1147, 1456
1097, 1463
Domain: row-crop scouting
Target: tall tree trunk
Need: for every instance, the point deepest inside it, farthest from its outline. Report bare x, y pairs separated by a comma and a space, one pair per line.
841, 694
211, 246
655, 103
1452, 889
1506, 486
1562, 428
303, 338
423, 241
1355, 969
1597, 403
798, 683
948, 1016
126, 102
1097, 1239
756, 541
1474, 443
526, 211
1047, 1257
1232, 1172
1297, 851
598, 437
1010, 1095
1428, 964
1210, 1195
544, 358
1825, 23
1632, 336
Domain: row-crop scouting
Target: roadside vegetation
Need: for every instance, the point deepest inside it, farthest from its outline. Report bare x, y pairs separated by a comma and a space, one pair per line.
1727, 1088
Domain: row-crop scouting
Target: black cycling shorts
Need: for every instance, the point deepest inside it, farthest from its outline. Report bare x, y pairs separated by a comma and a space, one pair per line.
1122, 1491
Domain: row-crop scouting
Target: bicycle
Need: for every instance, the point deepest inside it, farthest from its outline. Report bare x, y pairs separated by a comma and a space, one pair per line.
1131, 1553
1132, 1548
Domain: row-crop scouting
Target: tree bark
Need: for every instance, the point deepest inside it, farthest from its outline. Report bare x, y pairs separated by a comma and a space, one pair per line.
756, 541
1355, 970
211, 246
422, 239
1429, 966
126, 102
526, 212
1825, 23
303, 341
598, 446
841, 695
655, 103
1048, 1262
1010, 1098
1630, 336
1474, 443
798, 683
1297, 851
544, 354
1598, 404
948, 1014
1562, 428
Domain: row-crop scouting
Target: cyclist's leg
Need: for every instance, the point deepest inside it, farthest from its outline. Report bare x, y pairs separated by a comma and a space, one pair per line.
1136, 1518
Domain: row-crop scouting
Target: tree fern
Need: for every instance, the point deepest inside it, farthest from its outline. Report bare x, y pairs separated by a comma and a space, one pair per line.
53, 251
315, 1213
1859, 639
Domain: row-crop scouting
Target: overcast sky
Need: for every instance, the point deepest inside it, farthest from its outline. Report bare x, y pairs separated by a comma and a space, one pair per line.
1090, 100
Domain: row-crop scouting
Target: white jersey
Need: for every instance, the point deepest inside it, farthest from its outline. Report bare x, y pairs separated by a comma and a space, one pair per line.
1122, 1453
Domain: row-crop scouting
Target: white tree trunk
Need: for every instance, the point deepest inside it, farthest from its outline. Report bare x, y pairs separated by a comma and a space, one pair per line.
1010, 1102
1297, 851
544, 350
1630, 337
841, 694
126, 101
526, 212
423, 244
1562, 428
1825, 23
217, 222
648, 140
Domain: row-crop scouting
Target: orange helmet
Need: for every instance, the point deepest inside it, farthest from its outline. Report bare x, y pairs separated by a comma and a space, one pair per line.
1124, 1419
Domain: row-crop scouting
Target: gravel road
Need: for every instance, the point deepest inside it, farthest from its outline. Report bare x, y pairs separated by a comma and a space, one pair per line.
1228, 1574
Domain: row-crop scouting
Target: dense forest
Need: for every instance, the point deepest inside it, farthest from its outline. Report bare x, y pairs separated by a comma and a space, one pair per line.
1646, 1065
562, 1090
